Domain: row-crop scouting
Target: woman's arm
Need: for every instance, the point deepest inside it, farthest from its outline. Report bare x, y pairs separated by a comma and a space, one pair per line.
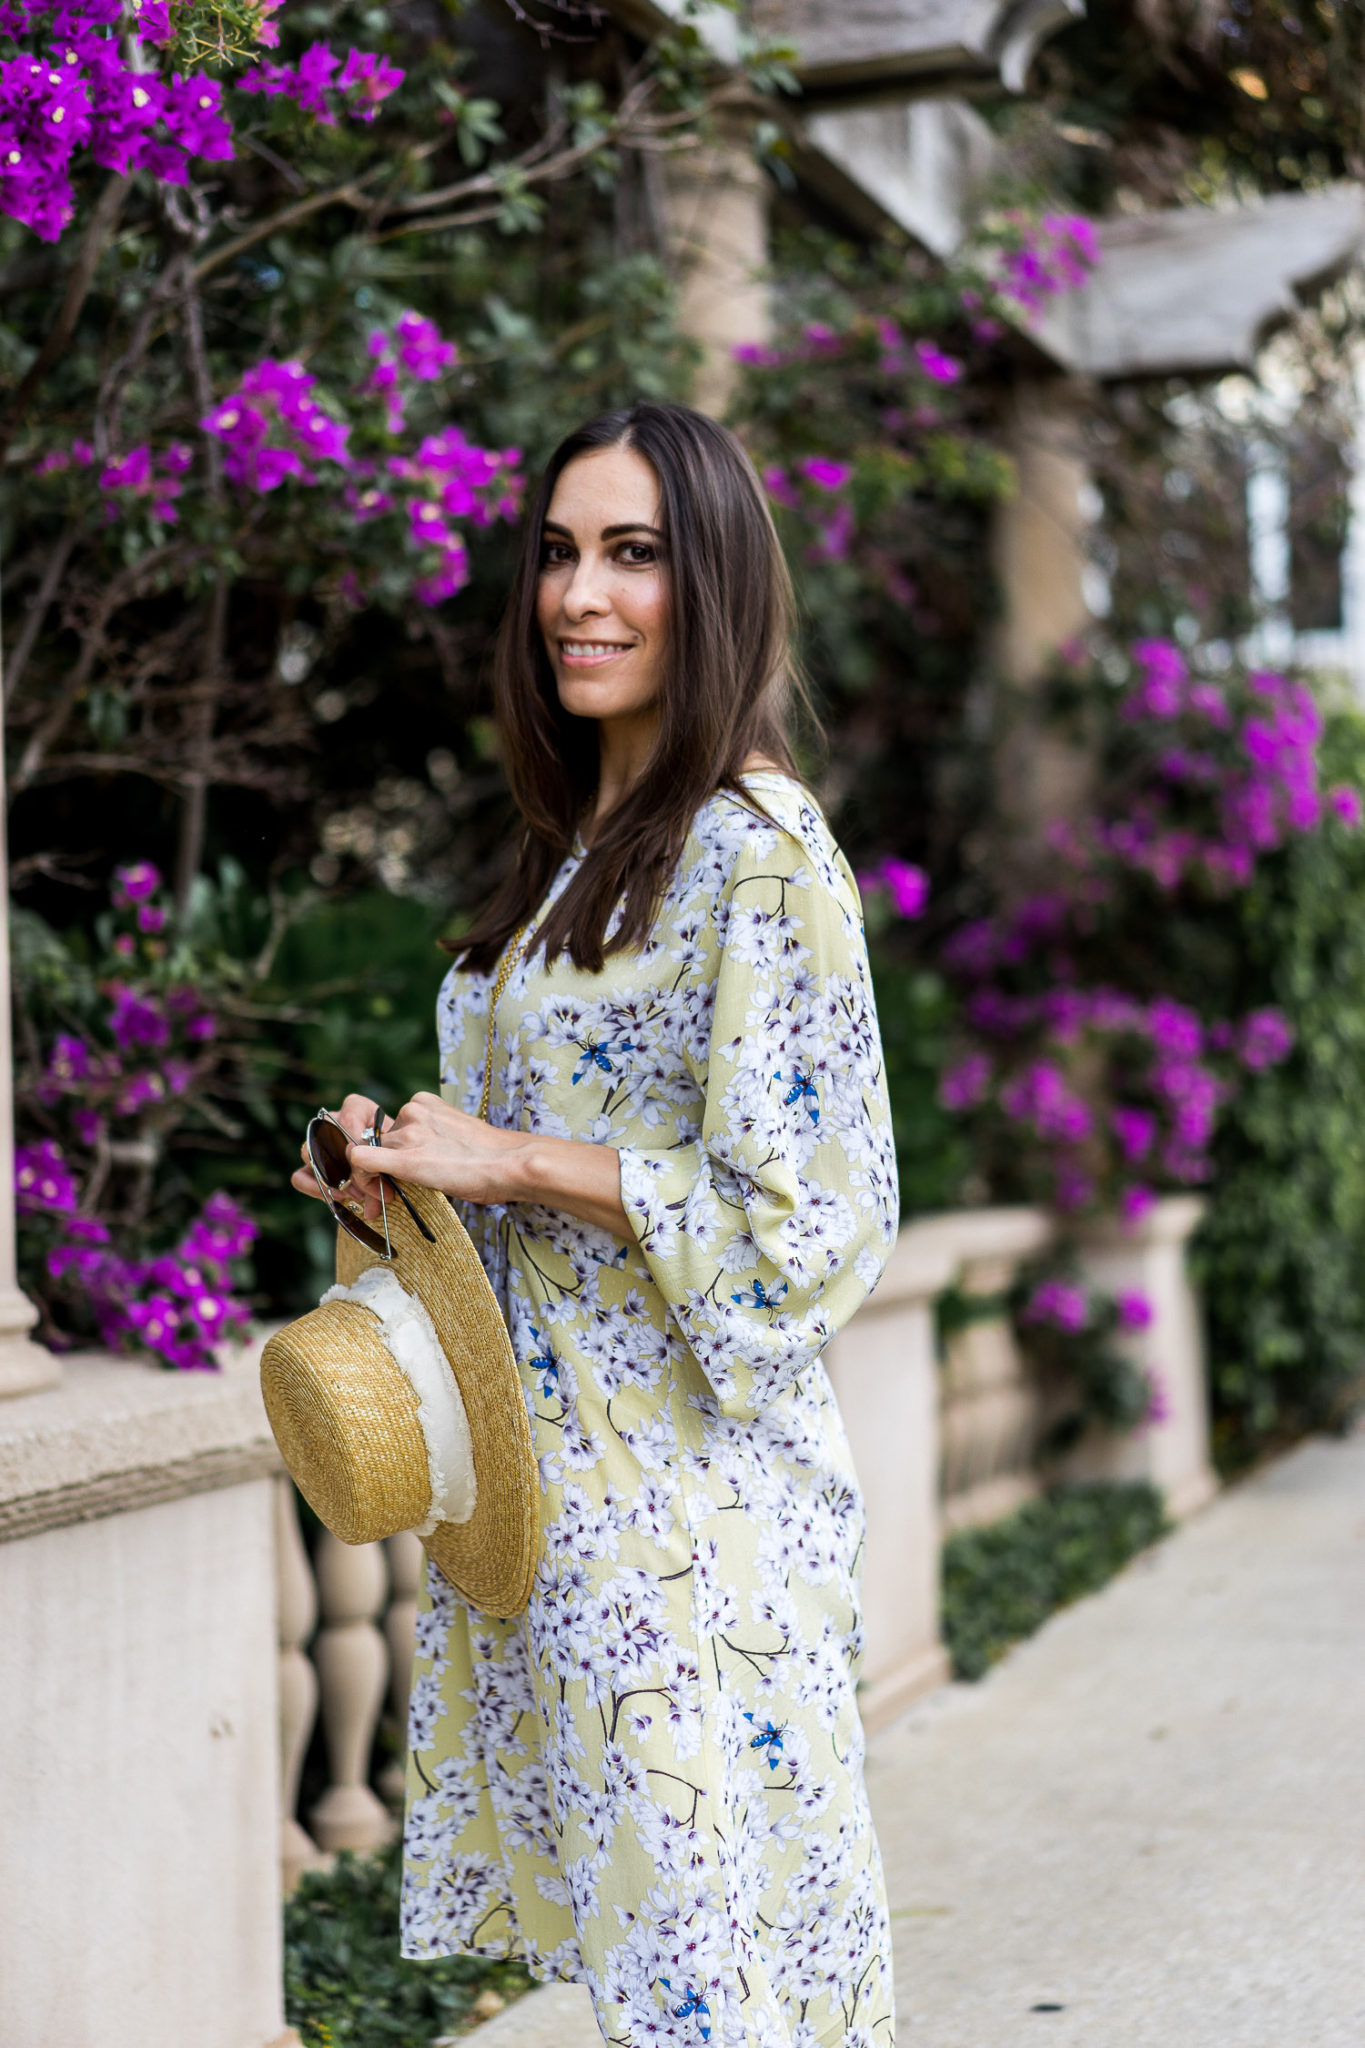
433, 1145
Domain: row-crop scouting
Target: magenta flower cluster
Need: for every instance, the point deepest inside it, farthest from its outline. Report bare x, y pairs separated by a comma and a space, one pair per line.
70, 83
1084, 1319
1045, 257
68, 87
156, 1036
273, 428
180, 1305
814, 487
362, 85
154, 1039
415, 352
904, 886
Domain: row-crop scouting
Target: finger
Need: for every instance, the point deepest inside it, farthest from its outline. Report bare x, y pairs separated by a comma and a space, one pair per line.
303, 1180
356, 1114
400, 1164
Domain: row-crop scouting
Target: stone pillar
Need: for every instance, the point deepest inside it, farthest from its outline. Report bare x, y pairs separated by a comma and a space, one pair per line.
885, 1378
1172, 1450
1044, 570
139, 1797
715, 204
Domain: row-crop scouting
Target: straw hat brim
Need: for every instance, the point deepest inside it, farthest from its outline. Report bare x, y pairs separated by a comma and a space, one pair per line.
491, 1558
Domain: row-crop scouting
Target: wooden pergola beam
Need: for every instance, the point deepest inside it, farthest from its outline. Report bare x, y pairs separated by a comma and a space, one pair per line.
880, 49
1195, 291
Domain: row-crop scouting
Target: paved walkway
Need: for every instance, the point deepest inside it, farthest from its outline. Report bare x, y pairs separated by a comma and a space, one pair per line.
1147, 1828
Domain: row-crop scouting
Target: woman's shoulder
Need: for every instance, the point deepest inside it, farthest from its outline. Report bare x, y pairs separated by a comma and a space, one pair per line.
775, 820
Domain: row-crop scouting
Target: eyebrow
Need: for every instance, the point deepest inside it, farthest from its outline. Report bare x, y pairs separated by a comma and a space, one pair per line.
608, 532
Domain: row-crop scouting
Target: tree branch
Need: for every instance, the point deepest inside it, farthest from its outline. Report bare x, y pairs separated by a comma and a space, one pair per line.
52, 575
81, 276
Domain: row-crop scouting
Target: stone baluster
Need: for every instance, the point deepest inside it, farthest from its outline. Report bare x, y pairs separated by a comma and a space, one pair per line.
353, 1668
297, 1602
405, 1556
993, 1411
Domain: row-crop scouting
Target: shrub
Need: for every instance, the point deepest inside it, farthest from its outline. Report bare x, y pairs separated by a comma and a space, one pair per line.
1281, 1256
1002, 1583
345, 1984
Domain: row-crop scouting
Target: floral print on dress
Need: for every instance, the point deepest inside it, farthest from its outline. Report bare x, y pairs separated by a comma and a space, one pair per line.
652, 1781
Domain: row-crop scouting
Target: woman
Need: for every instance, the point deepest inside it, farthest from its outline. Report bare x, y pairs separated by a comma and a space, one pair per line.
684, 1185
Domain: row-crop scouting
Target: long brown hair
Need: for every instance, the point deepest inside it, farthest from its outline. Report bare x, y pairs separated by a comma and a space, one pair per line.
729, 684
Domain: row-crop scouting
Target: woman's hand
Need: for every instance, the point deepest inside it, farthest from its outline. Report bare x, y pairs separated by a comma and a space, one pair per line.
357, 1113
431, 1144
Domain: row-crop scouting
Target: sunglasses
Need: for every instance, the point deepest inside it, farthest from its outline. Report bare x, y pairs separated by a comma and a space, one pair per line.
325, 1141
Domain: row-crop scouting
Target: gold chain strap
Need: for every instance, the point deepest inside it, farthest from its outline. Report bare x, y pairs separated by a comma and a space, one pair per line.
504, 975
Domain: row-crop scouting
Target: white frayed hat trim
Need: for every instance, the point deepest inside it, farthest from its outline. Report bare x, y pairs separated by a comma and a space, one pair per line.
410, 1339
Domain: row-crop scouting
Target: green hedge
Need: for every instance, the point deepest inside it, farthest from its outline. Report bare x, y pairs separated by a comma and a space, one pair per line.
1002, 1583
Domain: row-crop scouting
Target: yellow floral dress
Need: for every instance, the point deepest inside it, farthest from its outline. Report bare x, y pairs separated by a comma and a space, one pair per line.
652, 1781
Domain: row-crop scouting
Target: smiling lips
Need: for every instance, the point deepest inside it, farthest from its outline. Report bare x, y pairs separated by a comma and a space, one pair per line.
592, 653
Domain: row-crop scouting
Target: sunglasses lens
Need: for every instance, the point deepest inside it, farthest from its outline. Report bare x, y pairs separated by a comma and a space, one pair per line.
371, 1239
327, 1150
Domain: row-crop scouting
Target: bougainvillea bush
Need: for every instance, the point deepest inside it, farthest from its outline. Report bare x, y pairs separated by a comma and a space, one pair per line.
120, 1047
288, 305
1120, 1026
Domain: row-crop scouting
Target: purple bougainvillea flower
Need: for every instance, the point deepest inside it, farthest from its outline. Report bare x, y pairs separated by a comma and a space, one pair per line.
136, 1020
43, 1183
136, 882
1136, 1202
1135, 1130
828, 475
1267, 1038
1042, 1097
1135, 1310
370, 80
1059, 1303
1345, 803
966, 1083
1159, 1407
940, 368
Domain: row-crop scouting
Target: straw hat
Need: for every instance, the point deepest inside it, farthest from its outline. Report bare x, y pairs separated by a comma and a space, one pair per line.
397, 1404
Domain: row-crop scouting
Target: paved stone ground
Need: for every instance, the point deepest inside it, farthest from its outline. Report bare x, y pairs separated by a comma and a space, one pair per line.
1146, 1829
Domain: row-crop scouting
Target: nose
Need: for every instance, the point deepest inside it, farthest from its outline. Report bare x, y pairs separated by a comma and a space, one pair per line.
585, 595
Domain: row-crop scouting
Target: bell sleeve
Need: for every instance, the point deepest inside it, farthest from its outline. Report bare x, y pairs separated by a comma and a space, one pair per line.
767, 1228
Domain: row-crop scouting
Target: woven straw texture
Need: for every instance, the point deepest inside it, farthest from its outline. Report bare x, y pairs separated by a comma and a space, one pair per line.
345, 1415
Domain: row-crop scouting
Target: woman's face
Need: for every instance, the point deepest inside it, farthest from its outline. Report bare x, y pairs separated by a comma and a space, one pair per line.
602, 599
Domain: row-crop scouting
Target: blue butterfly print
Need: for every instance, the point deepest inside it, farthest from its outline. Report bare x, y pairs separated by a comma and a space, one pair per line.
768, 1738
759, 1296
693, 2002
597, 1055
802, 1090
547, 1365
